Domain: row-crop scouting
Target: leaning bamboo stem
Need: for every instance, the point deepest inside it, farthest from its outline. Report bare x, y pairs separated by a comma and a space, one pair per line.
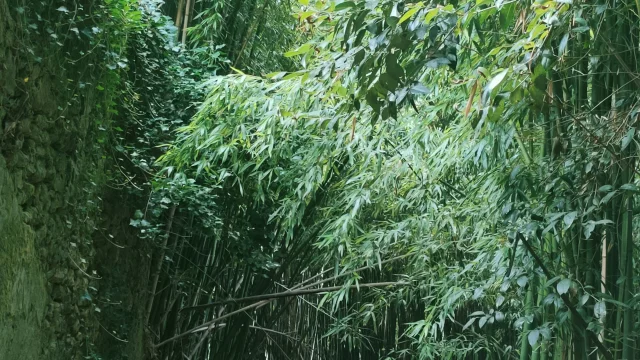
319, 282
294, 293
262, 302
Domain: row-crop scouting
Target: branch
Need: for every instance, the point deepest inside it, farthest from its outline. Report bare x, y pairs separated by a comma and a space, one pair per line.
209, 324
300, 285
293, 293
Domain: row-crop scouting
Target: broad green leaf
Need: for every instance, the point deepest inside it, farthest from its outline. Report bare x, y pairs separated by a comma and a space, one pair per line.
588, 228
608, 197
563, 286
522, 281
605, 188
583, 299
533, 337
629, 187
599, 310
628, 137
569, 218
483, 320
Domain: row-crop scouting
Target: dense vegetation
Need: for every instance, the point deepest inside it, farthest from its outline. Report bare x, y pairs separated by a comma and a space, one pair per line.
375, 179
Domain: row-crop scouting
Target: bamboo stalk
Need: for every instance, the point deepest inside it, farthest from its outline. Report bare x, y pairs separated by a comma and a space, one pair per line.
292, 293
179, 16
567, 301
156, 273
185, 23
525, 347
263, 302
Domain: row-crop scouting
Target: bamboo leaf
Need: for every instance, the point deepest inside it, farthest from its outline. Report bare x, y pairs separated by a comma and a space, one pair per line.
495, 81
469, 323
344, 5
628, 137
299, 51
410, 12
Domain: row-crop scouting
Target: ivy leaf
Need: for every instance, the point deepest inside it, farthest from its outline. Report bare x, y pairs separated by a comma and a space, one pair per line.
63, 9
563, 286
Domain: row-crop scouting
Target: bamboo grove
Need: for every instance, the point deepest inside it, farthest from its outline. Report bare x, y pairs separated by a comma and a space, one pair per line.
416, 180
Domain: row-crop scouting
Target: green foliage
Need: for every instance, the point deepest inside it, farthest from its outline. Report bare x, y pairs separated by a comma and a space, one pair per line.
249, 33
499, 179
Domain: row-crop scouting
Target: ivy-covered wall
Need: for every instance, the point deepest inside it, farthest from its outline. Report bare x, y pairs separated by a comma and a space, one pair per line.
53, 161
88, 88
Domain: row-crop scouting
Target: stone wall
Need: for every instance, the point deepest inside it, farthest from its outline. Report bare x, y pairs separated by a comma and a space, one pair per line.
52, 176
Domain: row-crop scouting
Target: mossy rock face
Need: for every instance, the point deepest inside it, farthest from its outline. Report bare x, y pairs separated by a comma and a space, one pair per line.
52, 185
50, 178
23, 292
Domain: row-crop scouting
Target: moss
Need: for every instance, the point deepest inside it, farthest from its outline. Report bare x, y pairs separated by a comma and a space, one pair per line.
22, 286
